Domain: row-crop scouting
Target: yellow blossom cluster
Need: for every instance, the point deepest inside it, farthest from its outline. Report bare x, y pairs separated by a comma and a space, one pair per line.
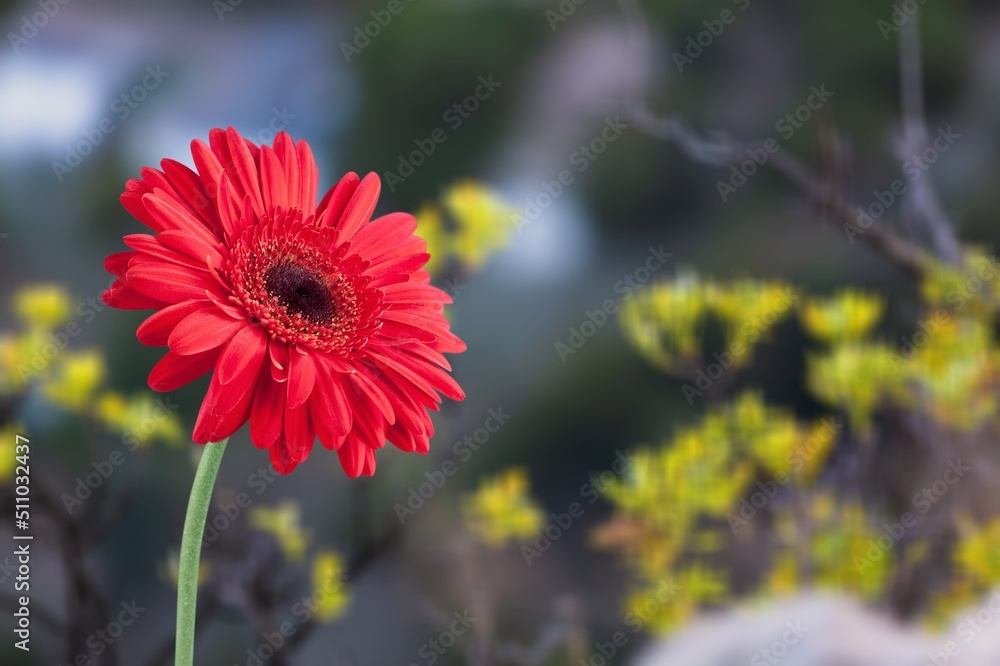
665, 322
971, 288
673, 503
849, 315
328, 597
39, 359
948, 367
284, 523
470, 223
976, 560
501, 510
669, 508
827, 542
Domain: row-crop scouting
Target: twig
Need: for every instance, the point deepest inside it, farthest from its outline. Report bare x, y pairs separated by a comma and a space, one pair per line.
723, 152
926, 205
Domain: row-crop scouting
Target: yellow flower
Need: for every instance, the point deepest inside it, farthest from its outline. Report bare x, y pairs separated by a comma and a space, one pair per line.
813, 449
8, 453
75, 380
43, 306
840, 548
430, 227
972, 288
482, 221
143, 418
329, 592
662, 606
849, 315
478, 224
750, 310
501, 510
953, 375
855, 376
283, 522
663, 321
977, 554
784, 578
11, 356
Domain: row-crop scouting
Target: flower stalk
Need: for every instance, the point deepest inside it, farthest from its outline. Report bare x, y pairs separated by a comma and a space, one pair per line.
190, 557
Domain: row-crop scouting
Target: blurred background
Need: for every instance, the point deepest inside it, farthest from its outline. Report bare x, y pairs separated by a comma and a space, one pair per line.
725, 270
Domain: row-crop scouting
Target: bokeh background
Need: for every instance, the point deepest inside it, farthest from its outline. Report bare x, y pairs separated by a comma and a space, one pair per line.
647, 111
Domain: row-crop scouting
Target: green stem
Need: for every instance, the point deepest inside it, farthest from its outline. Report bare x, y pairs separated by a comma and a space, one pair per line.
194, 530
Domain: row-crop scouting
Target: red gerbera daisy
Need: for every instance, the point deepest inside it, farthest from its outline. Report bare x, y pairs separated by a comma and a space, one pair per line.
317, 320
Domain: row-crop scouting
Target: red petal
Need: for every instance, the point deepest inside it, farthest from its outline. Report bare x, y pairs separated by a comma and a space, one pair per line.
284, 150
171, 215
267, 413
299, 433
155, 331
279, 360
174, 371
351, 456
120, 295
242, 170
281, 459
308, 178
374, 394
328, 401
225, 408
272, 180
359, 210
301, 378
332, 207
383, 234
191, 192
192, 246
203, 330
245, 351
117, 263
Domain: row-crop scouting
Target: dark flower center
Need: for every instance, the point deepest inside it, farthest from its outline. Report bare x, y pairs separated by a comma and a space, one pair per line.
301, 292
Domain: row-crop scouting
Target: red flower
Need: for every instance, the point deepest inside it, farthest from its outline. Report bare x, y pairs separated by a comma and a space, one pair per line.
317, 320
